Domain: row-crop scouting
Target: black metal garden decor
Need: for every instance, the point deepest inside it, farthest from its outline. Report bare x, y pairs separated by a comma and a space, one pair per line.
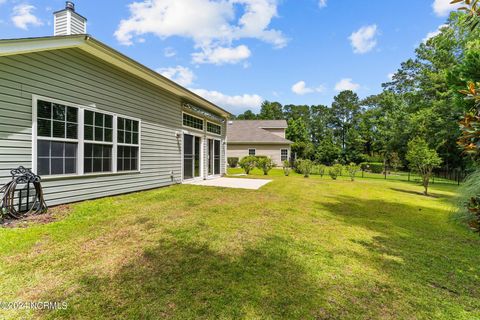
23, 195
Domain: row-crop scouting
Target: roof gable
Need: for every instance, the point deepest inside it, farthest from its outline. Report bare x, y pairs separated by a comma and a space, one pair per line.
253, 131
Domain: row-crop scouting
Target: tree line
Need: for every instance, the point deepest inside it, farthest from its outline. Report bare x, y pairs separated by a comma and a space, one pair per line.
423, 100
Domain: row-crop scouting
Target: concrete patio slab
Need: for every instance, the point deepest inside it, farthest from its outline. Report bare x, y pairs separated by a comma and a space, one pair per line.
235, 183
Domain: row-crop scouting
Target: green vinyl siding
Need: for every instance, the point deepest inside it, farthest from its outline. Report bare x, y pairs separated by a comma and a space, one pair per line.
74, 76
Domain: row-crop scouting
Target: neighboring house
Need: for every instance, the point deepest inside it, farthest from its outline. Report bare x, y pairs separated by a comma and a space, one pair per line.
93, 122
258, 138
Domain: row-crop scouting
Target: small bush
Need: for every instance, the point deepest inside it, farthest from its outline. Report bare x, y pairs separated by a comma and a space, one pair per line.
352, 169
232, 162
248, 163
304, 167
335, 171
286, 168
364, 166
265, 164
376, 167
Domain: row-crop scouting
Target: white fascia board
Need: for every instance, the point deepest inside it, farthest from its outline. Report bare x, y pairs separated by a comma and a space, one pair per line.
22, 46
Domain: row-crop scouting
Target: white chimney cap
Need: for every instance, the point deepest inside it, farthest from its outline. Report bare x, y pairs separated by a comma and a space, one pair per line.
68, 22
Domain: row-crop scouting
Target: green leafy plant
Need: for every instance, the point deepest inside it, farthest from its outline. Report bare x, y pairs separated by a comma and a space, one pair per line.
304, 167
422, 160
248, 163
472, 8
232, 162
376, 167
286, 168
352, 169
473, 207
335, 171
265, 164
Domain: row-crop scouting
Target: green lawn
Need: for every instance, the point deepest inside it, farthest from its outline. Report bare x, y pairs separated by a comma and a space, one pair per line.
297, 249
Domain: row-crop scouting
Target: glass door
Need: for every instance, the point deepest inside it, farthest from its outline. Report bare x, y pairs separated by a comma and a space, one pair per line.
216, 157
213, 157
210, 157
191, 156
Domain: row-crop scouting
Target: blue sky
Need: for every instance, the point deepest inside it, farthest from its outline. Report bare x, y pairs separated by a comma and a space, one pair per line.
237, 53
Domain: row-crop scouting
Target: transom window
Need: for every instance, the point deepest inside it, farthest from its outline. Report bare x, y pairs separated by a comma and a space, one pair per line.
214, 128
284, 154
192, 122
251, 152
109, 143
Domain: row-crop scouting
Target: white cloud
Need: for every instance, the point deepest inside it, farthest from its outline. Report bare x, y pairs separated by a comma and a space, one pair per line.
234, 104
22, 16
169, 52
347, 84
221, 55
434, 33
210, 24
301, 88
443, 7
181, 75
322, 3
390, 76
364, 39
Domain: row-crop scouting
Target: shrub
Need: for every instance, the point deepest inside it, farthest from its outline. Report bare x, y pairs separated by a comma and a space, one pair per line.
232, 162
265, 164
304, 167
364, 166
376, 167
248, 163
286, 168
335, 171
352, 169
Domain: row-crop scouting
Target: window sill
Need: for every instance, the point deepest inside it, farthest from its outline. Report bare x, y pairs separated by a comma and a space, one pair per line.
87, 175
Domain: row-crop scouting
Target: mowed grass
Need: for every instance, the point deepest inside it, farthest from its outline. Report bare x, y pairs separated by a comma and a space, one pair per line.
296, 249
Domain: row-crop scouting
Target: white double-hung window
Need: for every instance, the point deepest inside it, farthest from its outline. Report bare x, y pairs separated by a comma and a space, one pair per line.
128, 135
69, 139
57, 139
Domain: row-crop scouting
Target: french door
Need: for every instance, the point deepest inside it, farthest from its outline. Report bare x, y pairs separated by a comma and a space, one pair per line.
213, 152
192, 155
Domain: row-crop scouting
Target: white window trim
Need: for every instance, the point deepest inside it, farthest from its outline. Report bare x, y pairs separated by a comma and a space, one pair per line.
191, 128
254, 150
217, 124
281, 154
80, 139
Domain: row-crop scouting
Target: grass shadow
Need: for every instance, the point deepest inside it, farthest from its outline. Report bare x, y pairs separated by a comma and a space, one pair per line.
417, 193
176, 279
415, 247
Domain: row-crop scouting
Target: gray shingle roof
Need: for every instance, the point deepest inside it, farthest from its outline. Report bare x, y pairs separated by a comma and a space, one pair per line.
243, 131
